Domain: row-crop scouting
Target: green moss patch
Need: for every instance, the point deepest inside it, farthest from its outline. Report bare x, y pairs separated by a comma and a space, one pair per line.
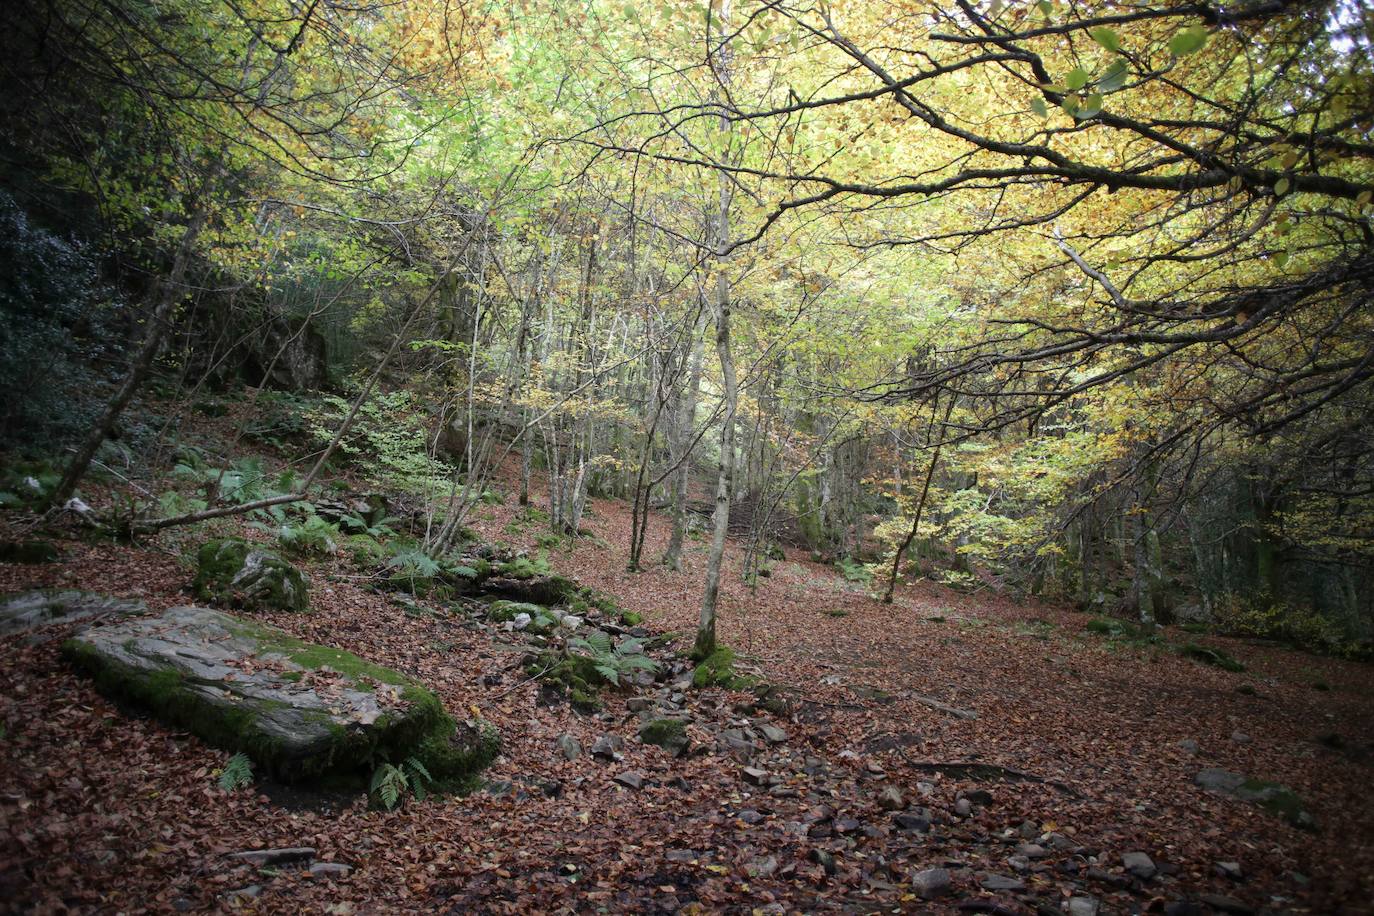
718, 670
235, 572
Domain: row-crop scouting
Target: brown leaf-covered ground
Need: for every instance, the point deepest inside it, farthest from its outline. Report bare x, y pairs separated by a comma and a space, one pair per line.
106, 812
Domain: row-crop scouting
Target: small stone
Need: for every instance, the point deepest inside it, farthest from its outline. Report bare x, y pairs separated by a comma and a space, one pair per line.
963, 807
762, 868
1140, 865
1189, 745
772, 734
750, 816
979, 797
1019, 863
915, 821
1240, 737
287, 855
930, 883
520, 621
570, 747
1227, 904
1029, 829
824, 859
1002, 883
607, 747
330, 870
847, 825
245, 893
1230, 870
1083, 906
755, 776
1032, 851
631, 780
639, 704
890, 799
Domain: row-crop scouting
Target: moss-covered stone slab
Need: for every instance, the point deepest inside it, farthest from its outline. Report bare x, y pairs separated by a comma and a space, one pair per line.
30, 611
242, 574
304, 712
1277, 799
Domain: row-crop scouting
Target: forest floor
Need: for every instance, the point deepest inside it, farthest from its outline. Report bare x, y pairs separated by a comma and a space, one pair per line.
105, 812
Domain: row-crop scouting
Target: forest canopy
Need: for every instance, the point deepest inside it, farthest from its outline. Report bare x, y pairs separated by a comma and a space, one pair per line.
1036, 297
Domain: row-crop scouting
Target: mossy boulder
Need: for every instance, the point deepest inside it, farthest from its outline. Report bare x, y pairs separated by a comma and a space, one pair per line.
34, 610
236, 572
669, 734
304, 713
1277, 799
718, 670
1210, 656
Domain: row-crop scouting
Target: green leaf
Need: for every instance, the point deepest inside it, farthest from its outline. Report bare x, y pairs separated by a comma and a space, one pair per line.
1114, 77
609, 674
1188, 41
1077, 79
1045, 7
1107, 38
1038, 106
1281, 258
1091, 107
1281, 186
1070, 105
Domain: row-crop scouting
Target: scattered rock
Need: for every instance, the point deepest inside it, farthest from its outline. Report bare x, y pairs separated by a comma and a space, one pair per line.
608, 747
250, 892
1140, 865
824, 859
1083, 906
1230, 870
981, 797
762, 868
917, 820
750, 816
1226, 904
772, 734
963, 807
755, 776
930, 883
631, 780
236, 572
1277, 799
1189, 745
32, 610
890, 799
1032, 851
1240, 737
994, 882
639, 704
569, 746
264, 858
669, 734
331, 870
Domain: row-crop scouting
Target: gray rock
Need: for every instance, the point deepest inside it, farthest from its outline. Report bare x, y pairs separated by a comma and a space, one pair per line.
240, 684
236, 572
755, 776
1226, 904
520, 621
930, 883
1273, 797
917, 820
762, 868
980, 797
1083, 906
1230, 870
639, 704
1140, 865
772, 734
1019, 863
1240, 737
631, 780
331, 870
1029, 829
963, 807
890, 799
1002, 883
1219, 780
569, 746
33, 610
1188, 745
250, 892
264, 858
824, 859
1032, 851
608, 747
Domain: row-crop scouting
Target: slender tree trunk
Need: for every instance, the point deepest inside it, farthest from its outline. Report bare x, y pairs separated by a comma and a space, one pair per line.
169, 295
920, 501
682, 444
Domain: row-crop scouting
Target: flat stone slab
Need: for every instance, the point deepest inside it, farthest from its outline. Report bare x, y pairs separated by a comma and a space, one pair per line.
303, 712
29, 611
